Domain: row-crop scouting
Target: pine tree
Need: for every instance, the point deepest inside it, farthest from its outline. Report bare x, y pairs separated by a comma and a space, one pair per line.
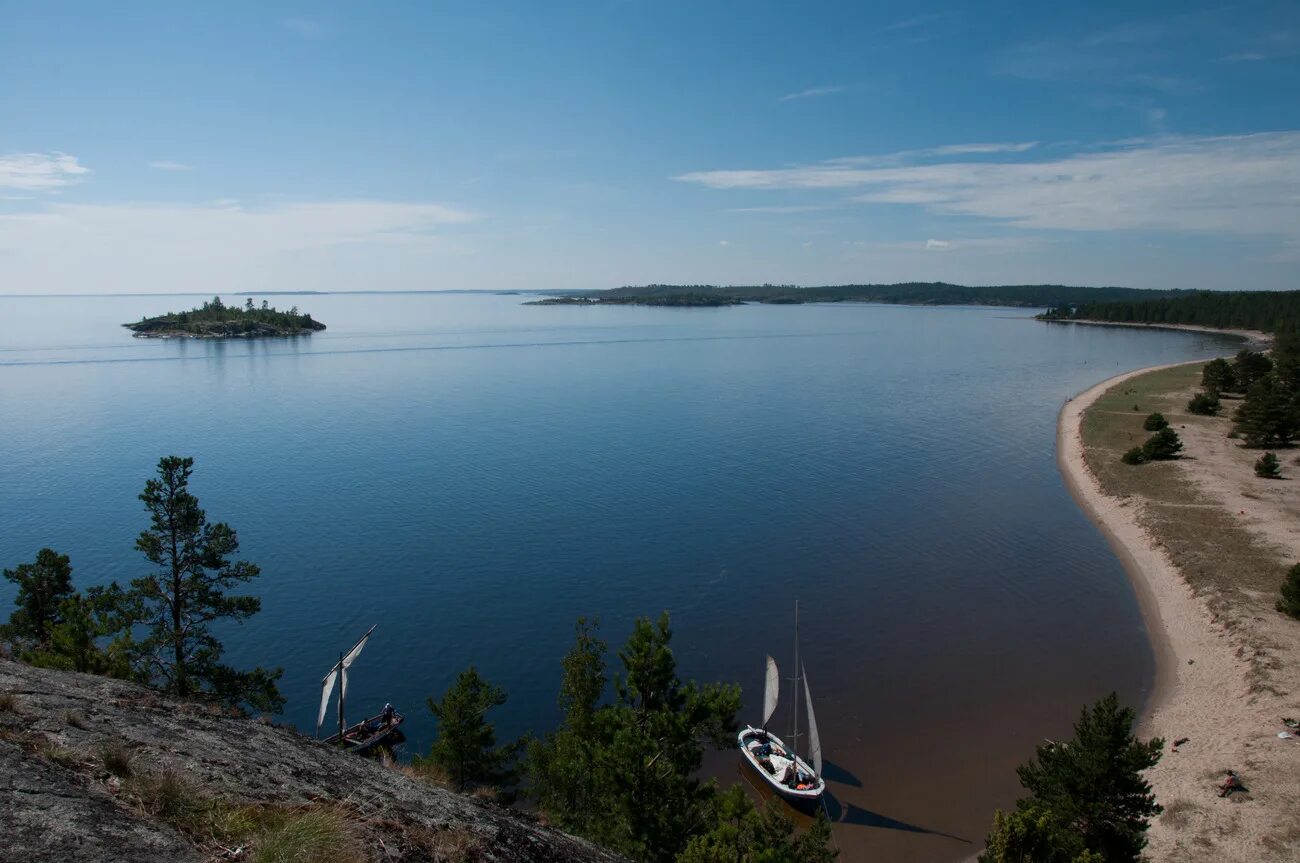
1268, 467
1087, 795
178, 602
1289, 604
1162, 445
466, 748
43, 586
1218, 377
1155, 422
1249, 368
1268, 415
1204, 404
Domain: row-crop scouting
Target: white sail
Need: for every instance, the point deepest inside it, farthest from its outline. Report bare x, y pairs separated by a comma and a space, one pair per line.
814, 743
340, 667
770, 690
326, 687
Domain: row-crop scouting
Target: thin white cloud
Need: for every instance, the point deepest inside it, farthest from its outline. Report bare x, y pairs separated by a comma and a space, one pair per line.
913, 23
158, 247
1244, 185
798, 208
40, 171
724, 242
903, 157
937, 244
813, 91
165, 165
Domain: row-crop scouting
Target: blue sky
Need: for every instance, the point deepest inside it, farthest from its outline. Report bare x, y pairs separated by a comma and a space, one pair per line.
348, 146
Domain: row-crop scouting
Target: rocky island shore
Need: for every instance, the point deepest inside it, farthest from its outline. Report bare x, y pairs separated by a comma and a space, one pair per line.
216, 320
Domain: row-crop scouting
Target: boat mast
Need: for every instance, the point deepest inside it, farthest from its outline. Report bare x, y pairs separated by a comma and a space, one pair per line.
342, 693
794, 737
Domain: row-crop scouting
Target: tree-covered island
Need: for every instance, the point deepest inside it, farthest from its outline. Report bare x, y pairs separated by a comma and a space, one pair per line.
216, 320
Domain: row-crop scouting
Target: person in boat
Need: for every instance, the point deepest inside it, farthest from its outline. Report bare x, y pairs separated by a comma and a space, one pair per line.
389, 714
790, 776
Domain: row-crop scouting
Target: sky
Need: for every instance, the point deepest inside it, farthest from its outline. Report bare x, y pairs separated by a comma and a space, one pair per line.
155, 147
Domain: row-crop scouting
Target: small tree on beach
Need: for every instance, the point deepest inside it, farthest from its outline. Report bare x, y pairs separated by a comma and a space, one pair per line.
1204, 404
1268, 467
1162, 445
1155, 422
1249, 368
1289, 604
1137, 455
1218, 377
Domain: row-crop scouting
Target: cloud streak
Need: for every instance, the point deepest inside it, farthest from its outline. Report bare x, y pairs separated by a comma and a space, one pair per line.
1244, 185
35, 172
813, 91
164, 165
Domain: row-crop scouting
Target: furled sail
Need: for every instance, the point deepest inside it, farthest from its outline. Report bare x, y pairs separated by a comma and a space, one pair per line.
770, 690
340, 669
814, 742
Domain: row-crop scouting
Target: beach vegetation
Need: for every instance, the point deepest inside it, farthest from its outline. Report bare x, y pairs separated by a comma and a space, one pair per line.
1218, 376
465, 750
1087, 798
1268, 467
1268, 416
1249, 368
1205, 404
1164, 444
1136, 455
1155, 422
173, 608
1289, 604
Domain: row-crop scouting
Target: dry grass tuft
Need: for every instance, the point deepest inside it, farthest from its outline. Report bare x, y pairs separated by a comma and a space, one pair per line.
76, 719
66, 758
317, 836
8, 702
1180, 813
116, 758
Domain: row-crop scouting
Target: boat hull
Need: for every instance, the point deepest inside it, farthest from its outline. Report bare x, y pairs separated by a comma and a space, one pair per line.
807, 798
370, 735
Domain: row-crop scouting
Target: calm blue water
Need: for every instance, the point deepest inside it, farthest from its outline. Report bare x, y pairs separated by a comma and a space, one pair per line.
473, 474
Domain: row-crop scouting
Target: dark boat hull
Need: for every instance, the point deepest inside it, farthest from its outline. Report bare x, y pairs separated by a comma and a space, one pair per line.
371, 735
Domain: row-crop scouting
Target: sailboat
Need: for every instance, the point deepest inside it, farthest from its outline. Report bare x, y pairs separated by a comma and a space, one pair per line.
366, 736
777, 763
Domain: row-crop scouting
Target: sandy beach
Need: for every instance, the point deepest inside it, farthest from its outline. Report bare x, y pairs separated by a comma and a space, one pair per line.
1225, 659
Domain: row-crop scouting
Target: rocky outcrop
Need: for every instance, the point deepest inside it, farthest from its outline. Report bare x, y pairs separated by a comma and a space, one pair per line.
65, 794
170, 327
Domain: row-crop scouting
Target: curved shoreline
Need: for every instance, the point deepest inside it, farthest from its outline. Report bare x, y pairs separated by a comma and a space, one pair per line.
1255, 339
1149, 570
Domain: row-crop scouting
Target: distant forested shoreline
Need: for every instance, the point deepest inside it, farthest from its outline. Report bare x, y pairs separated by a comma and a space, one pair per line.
1268, 311
908, 293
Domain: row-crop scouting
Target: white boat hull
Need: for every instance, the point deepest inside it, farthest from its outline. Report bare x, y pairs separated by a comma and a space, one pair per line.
806, 796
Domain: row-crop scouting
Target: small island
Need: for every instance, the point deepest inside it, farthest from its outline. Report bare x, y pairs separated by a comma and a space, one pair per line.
215, 320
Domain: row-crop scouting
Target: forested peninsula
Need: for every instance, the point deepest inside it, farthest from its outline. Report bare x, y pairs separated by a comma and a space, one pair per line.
1268, 311
909, 293
215, 320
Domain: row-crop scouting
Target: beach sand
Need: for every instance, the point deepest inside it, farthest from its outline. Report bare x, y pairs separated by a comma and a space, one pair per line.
1227, 662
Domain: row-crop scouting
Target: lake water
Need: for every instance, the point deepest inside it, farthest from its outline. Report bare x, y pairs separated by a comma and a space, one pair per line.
473, 474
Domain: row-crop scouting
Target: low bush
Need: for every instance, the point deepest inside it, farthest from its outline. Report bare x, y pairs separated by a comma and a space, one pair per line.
1268, 467
1289, 604
1204, 404
1162, 445
1134, 456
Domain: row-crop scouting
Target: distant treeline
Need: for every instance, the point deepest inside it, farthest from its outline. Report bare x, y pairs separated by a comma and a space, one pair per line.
915, 293
1270, 311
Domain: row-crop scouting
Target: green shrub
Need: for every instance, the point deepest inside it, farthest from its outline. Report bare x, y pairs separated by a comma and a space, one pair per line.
1137, 455
1155, 422
1162, 445
1204, 404
1268, 467
1289, 604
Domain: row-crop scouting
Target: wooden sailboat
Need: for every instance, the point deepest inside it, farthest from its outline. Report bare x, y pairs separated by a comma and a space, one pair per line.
779, 764
382, 730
